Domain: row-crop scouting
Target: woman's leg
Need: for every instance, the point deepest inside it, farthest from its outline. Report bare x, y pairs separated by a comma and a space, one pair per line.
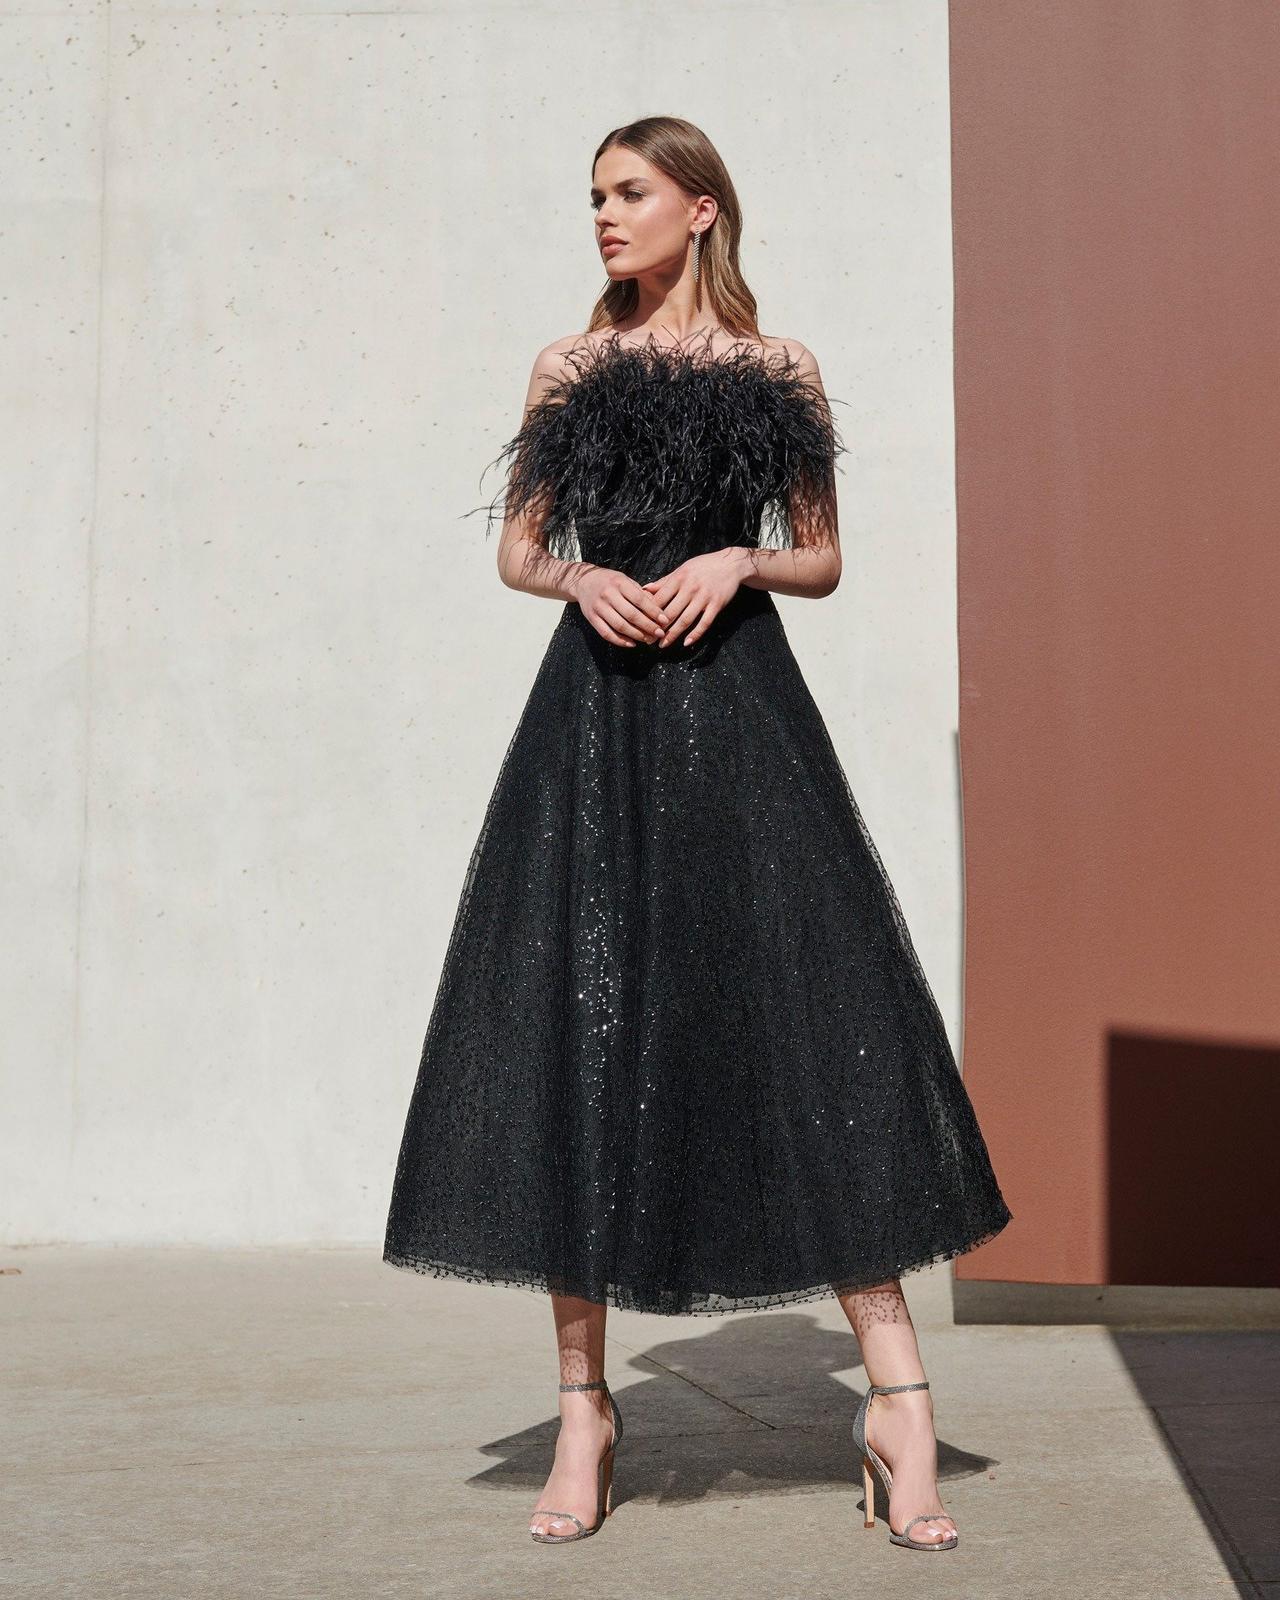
586, 1419
899, 1426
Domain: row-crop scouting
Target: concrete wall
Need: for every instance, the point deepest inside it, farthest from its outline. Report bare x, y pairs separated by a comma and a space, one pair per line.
274, 282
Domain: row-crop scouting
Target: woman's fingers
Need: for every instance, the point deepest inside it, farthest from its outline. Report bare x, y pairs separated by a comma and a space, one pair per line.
691, 602
682, 612
670, 583
651, 623
631, 613
622, 624
641, 597
619, 609
708, 617
609, 624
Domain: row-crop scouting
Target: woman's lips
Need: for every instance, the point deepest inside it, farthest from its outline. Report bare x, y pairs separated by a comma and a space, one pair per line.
614, 244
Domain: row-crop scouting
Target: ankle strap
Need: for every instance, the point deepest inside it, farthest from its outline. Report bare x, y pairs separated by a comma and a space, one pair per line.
896, 1388
596, 1383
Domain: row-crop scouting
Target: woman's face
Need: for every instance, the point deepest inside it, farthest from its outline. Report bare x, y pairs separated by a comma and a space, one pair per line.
645, 210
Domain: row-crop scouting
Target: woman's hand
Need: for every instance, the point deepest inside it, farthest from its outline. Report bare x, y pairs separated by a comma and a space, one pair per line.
697, 591
617, 607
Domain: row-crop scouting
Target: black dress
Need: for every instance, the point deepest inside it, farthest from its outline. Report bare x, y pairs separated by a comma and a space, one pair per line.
682, 1057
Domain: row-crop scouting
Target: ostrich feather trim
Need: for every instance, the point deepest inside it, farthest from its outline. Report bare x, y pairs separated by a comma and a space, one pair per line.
642, 441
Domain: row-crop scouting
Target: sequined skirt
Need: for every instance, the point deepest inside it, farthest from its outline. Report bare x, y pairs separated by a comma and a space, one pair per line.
683, 1057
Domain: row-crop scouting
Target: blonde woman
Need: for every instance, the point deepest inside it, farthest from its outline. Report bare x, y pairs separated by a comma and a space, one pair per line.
683, 1058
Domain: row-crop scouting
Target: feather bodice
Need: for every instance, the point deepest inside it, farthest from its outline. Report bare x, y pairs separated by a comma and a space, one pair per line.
646, 453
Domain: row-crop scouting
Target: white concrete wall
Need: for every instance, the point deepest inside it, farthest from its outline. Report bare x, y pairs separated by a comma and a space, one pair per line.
273, 281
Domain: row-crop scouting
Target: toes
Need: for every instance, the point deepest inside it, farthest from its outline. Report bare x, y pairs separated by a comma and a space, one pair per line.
930, 1532
544, 1522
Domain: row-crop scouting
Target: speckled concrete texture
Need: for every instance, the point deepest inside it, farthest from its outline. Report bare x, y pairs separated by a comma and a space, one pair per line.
277, 272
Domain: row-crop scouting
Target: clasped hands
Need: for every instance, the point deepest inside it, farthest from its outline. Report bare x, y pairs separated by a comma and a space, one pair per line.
683, 603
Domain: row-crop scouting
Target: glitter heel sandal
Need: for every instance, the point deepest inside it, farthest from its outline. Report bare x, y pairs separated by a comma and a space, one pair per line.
870, 1459
604, 1481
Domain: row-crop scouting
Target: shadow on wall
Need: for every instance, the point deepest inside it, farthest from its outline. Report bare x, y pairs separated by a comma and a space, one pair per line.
1191, 1162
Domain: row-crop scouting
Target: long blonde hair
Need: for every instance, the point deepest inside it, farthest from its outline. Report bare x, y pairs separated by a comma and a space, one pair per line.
688, 157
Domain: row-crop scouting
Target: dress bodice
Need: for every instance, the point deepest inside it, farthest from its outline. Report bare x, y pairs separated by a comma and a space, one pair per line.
644, 454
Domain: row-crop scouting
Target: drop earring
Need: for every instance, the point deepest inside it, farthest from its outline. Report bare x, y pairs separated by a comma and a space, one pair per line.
697, 255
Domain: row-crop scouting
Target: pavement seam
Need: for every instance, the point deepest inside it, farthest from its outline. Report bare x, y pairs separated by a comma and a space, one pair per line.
684, 1378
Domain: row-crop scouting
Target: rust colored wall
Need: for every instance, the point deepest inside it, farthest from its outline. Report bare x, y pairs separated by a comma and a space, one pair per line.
1117, 322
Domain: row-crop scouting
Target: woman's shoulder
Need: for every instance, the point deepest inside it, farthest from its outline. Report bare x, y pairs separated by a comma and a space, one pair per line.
558, 353
797, 356
565, 358
553, 364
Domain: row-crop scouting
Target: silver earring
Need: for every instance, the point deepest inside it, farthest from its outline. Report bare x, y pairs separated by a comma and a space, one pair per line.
697, 255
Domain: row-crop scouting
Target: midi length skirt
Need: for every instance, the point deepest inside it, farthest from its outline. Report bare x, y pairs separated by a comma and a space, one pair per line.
682, 1056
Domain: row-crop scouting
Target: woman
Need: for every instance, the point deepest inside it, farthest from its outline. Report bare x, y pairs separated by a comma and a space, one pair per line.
683, 1057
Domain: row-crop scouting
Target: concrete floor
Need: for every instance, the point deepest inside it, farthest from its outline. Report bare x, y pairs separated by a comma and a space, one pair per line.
313, 1423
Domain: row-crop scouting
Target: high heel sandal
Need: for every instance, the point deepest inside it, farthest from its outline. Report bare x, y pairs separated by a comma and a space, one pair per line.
871, 1459
604, 1481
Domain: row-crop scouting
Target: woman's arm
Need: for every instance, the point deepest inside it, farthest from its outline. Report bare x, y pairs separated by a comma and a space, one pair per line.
524, 561
614, 604
812, 565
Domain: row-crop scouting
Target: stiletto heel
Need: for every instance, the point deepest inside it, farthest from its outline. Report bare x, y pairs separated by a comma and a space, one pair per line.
604, 1479
868, 1496
870, 1459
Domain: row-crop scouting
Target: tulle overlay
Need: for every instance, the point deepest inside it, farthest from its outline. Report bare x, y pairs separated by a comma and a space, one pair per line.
682, 1056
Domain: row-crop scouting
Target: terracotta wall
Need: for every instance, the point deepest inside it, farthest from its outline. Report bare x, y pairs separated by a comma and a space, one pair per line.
1117, 346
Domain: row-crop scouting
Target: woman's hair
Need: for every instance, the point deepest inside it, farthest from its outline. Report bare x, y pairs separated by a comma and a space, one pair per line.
688, 157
